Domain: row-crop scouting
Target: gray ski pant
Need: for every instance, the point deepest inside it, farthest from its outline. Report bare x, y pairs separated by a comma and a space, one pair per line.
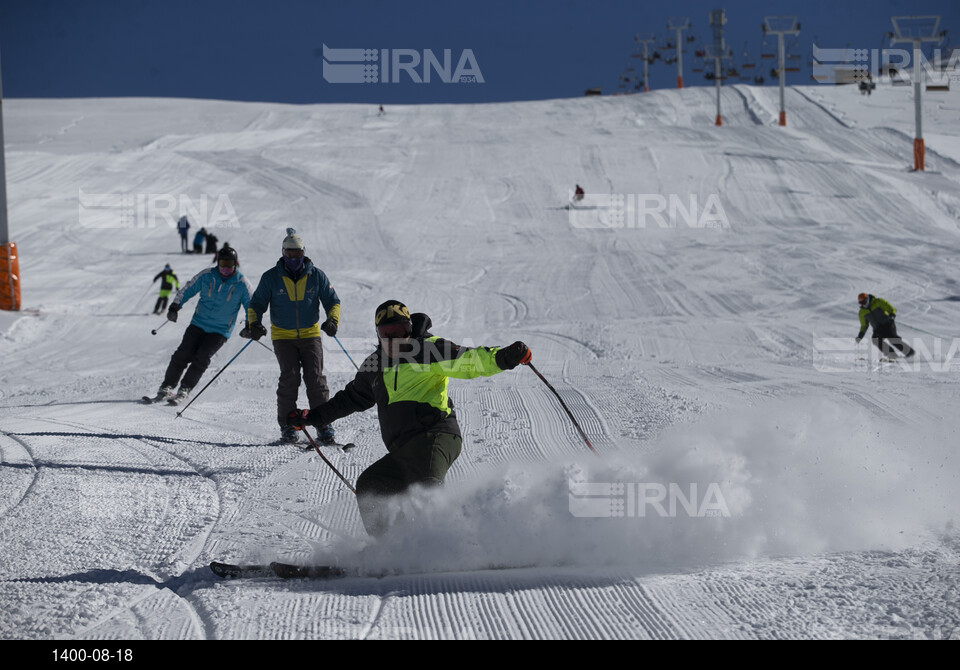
300, 360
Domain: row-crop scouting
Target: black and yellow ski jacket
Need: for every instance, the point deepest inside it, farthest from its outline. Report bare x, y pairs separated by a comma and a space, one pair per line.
410, 393
878, 313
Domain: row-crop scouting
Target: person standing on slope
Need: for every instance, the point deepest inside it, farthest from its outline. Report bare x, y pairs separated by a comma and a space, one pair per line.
878, 313
223, 292
198, 241
168, 283
407, 378
183, 225
295, 289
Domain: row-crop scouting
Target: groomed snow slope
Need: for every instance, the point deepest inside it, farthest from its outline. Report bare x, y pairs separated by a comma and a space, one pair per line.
715, 358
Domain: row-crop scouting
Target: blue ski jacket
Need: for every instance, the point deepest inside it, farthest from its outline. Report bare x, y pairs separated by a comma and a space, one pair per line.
220, 300
294, 301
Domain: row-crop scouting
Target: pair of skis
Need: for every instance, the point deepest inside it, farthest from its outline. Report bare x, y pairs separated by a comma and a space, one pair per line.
276, 569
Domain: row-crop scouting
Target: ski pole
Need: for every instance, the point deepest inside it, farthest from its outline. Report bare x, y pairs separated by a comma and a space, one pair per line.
140, 299
564, 405
214, 377
154, 331
345, 351
325, 460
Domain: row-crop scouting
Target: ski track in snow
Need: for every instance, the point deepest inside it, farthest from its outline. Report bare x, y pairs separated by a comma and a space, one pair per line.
686, 354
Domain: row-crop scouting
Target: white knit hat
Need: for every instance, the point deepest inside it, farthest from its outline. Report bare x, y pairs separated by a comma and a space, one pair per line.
292, 240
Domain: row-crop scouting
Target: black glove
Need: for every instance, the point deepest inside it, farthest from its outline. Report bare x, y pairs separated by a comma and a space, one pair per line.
172, 312
254, 332
329, 327
510, 357
298, 418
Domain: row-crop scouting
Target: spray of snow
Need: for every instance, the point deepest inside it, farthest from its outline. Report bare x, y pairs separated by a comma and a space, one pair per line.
793, 477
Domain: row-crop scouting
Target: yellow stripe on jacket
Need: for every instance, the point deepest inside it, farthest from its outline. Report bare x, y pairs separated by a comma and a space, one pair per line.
277, 333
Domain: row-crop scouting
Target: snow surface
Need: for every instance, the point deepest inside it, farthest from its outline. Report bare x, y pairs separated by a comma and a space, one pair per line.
718, 355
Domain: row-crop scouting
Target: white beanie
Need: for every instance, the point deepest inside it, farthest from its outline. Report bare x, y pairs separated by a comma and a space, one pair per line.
292, 240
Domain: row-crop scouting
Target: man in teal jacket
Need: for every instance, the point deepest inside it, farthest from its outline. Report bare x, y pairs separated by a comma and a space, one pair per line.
406, 378
223, 292
881, 315
295, 289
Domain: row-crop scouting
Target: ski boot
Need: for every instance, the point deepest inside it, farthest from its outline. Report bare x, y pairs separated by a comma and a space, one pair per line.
326, 435
182, 395
164, 393
289, 435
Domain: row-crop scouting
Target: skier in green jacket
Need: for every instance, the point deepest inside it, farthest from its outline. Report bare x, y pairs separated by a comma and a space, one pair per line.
881, 315
406, 378
168, 285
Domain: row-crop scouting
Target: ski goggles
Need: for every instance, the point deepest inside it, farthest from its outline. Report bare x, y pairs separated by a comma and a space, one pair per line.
394, 331
293, 253
227, 263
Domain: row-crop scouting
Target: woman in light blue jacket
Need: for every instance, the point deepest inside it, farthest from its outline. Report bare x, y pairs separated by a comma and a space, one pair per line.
223, 292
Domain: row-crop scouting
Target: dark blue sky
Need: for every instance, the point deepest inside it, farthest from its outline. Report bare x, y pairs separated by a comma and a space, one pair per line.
260, 50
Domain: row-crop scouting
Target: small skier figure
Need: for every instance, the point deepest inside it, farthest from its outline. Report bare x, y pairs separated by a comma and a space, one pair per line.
198, 241
880, 314
168, 283
183, 225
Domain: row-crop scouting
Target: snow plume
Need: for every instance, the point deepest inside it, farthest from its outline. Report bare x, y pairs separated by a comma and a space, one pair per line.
790, 478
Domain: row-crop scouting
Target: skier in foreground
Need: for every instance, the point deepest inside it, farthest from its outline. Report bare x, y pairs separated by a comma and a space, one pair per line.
223, 292
407, 378
881, 315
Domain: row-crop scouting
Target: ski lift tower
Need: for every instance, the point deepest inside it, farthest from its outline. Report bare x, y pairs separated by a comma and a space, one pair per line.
645, 39
718, 52
9, 263
917, 30
678, 25
781, 26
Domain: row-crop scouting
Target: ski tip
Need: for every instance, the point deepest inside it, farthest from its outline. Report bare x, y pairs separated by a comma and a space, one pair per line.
225, 570
348, 446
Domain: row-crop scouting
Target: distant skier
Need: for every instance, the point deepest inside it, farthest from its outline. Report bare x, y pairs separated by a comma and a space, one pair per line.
211, 243
406, 378
223, 292
578, 193
183, 225
381, 113
881, 315
298, 294
168, 283
198, 241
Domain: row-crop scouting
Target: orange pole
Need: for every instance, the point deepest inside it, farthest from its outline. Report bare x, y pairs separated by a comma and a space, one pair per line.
719, 120
9, 277
919, 155
679, 82
783, 118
